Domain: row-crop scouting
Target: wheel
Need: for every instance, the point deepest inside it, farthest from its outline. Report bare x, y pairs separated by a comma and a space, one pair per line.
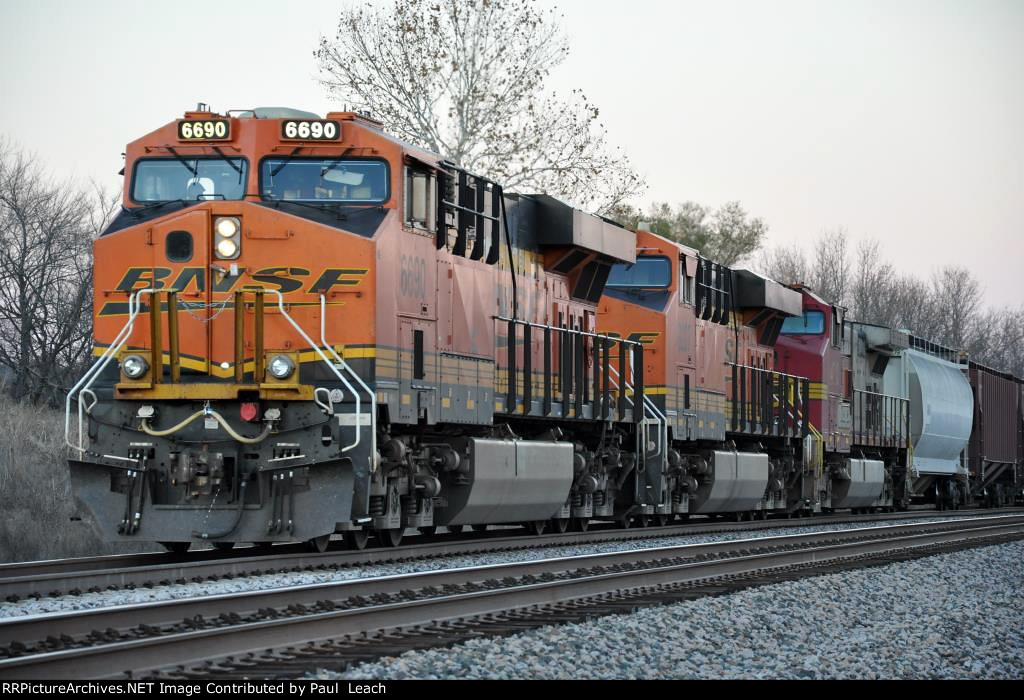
581, 524
624, 523
560, 525
663, 520
429, 530
738, 516
223, 546
176, 547
480, 527
643, 520
318, 544
455, 529
356, 539
535, 527
391, 537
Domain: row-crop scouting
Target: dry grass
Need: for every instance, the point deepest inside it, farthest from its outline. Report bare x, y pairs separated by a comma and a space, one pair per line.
35, 490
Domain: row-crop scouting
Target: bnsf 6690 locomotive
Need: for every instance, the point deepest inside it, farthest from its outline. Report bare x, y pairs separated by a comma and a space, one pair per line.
305, 327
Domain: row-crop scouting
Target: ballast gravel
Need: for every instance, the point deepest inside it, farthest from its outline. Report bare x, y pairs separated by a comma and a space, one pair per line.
102, 599
957, 615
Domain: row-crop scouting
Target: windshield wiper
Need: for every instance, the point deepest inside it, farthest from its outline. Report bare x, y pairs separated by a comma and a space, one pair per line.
181, 159
286, 161
137, 211
234, 166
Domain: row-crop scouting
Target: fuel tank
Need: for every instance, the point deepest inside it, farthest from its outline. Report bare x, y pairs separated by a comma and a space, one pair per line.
736, 482
858, 484
506, 481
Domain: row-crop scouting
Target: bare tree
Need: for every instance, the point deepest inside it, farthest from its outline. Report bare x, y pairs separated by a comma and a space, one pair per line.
46, 231
465, 79
827, 273
957, 297
830, 269
871, 286
787, 265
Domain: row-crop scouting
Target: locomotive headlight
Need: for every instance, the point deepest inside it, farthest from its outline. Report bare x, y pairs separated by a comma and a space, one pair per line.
227, 248
227, 227
134, 366
228, 241
281, 366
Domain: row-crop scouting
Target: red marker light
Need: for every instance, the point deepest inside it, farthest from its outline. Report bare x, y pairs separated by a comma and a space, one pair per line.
250, 411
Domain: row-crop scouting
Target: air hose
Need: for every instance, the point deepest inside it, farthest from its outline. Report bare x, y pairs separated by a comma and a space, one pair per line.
146, 428
238, 516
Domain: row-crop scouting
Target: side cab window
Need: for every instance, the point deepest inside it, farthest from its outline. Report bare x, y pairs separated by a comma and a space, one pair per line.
686, 279
837, 327
420, 198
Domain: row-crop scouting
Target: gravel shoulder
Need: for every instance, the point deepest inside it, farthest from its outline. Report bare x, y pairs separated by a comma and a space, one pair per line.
958, 615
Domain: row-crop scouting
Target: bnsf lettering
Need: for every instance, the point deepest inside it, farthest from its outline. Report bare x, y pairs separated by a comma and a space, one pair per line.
336, 277
281, 278
144, 278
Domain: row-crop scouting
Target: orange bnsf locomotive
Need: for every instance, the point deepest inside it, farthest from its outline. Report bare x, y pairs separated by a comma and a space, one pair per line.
304, 327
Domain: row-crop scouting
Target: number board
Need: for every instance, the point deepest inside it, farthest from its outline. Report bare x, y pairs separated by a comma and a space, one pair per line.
204, 130
310, 130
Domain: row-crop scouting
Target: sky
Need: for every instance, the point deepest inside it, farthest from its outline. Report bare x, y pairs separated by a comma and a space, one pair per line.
901, 121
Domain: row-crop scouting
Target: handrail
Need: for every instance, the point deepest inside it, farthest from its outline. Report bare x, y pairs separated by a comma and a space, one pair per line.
359, 380
83, 384
658, 415
320, 352
573, 331
135, 306
766, 369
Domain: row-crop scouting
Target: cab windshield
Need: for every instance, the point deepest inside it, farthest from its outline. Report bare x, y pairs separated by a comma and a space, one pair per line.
167, 179
357, 181
811, 323
648, 272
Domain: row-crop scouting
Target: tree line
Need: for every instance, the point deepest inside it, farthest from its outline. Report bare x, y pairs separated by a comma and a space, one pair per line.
47, 227
947, 308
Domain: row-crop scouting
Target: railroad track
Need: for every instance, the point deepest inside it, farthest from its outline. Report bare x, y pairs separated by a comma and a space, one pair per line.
74, 576
289, 630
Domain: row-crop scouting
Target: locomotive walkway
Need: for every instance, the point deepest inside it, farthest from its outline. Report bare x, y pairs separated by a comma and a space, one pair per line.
289, 630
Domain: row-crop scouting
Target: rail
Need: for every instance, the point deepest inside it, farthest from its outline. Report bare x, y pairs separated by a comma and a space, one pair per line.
238, 623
